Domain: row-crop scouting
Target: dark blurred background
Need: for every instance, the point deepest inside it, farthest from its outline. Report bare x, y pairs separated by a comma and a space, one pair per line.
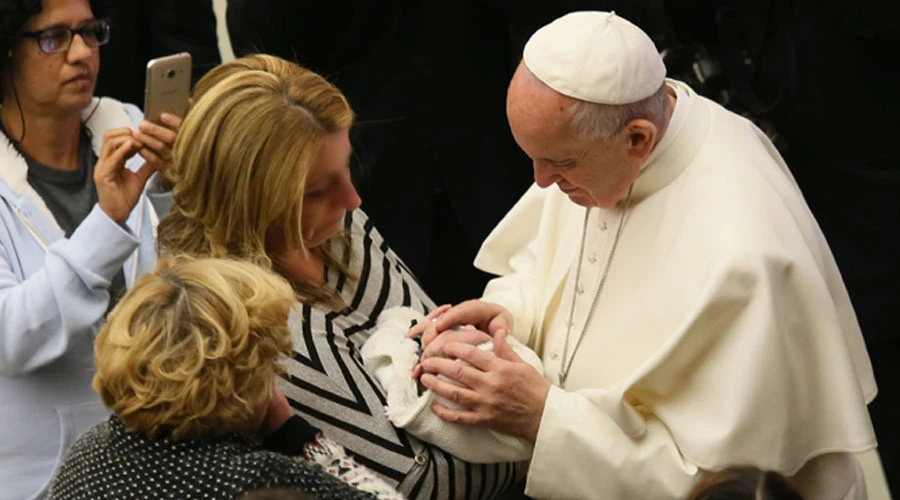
436, 164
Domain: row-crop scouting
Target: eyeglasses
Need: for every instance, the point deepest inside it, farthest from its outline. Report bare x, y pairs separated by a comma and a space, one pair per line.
94, 32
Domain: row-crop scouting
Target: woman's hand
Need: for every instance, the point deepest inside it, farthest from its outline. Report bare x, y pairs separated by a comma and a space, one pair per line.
157, 142
119, 189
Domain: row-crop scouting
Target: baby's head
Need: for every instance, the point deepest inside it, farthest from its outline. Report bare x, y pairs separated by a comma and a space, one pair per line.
744, 483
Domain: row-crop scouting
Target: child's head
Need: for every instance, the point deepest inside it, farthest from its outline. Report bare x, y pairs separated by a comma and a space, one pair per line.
194, 346
744, 483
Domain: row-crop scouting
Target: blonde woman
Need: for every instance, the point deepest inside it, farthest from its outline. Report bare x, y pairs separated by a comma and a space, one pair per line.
261, 172
187, 363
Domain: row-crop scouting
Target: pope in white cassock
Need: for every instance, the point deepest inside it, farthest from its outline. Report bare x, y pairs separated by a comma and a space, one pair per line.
685, 305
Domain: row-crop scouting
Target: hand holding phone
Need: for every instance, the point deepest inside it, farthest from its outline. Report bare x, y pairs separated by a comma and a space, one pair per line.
167, 91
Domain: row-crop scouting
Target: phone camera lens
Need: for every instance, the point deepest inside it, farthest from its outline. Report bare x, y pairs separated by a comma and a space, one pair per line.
171, 73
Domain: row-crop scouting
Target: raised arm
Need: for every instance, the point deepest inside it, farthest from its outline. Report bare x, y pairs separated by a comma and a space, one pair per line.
42, 316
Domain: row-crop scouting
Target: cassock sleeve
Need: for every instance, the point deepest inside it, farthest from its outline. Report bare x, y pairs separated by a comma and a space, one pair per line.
510, 251
581, 452
516, 292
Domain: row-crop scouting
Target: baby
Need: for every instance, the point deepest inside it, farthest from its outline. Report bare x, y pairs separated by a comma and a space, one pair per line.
391, 357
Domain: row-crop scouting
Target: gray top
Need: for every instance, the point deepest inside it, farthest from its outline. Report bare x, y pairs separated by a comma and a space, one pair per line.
69, 194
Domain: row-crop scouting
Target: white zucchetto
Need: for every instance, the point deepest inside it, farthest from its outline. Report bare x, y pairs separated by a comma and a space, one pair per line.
597, 57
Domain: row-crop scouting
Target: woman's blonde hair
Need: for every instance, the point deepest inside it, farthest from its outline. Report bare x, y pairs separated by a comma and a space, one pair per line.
193, 347
242, 157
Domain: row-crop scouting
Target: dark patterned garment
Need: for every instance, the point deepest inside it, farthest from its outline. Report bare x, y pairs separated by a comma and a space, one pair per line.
329, 387
108, 463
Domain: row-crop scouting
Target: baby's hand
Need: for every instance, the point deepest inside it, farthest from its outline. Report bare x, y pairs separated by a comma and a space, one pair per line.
417, 328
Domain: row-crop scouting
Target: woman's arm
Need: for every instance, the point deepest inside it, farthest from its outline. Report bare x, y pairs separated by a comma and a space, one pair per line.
42, 316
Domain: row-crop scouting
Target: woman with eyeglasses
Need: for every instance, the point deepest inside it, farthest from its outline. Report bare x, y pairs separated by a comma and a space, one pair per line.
76, 226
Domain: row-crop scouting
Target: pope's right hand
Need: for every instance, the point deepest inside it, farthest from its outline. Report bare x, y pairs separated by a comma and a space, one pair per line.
484, 316
118, 188
435, 349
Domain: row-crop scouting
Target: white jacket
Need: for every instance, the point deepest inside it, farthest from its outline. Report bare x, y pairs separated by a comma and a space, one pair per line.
53, 296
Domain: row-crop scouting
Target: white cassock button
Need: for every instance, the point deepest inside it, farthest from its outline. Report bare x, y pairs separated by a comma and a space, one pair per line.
603, 225
580, 290
592, 258
554, 356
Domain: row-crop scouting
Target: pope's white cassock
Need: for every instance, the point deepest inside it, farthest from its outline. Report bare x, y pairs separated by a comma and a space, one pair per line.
723, 334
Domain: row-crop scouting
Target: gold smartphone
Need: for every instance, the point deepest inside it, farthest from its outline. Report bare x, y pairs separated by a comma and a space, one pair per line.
168, 86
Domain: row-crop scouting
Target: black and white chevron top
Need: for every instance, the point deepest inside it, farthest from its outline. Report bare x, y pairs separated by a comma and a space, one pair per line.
329, 387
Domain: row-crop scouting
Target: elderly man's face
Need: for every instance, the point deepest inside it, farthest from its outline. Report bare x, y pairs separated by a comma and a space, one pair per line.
593, 173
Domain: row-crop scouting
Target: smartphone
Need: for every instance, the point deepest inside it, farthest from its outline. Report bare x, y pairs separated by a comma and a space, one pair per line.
168, 86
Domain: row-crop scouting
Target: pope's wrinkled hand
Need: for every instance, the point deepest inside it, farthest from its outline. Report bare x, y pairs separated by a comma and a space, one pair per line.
466, 335
499, 391
485, 316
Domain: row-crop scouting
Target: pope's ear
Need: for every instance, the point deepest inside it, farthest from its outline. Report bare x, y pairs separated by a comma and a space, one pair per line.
642, 135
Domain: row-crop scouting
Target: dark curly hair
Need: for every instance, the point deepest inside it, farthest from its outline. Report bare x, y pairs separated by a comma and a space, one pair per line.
744, 483
14, 14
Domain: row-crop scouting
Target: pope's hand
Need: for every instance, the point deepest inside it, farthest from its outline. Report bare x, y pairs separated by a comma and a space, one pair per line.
485, 316
499, 391
466, 335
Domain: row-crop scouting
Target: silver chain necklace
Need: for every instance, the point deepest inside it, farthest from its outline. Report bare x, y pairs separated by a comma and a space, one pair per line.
565, 367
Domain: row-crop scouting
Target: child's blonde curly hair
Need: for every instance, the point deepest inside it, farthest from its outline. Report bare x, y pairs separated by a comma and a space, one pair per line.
193, 348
